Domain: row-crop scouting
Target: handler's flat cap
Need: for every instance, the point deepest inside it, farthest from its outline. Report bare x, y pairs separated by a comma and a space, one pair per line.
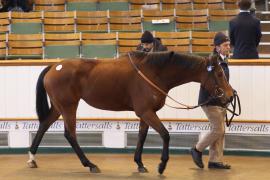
220, 38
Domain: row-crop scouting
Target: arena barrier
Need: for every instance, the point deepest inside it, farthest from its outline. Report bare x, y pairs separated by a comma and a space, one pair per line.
107, 129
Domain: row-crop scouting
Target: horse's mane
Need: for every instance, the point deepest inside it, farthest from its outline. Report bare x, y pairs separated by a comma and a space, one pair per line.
188, 61
161, 59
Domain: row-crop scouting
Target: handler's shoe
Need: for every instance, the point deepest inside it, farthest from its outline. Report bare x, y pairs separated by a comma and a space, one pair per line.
218, 165
197, 157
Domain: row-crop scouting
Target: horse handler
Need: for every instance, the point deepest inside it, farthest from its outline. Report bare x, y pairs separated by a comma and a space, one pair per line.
215, 114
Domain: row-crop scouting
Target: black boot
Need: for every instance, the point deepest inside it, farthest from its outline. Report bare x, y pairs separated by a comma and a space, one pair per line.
197, 157
218, 165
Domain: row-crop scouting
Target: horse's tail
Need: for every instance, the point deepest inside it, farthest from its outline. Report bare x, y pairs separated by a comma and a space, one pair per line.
42, 106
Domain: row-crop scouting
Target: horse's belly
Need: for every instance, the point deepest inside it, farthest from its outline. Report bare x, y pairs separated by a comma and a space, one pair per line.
108, 100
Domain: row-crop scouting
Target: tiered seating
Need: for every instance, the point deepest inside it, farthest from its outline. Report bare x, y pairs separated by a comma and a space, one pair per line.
49, 5
219, 18
62, 45
27, 46
125, 20
59, 21
168, 4
124, 5
131, 13
3, 46
128, 41
107, 21
230, 4
97, 45
192, 20
183, 4
101, 45
92, 21
125, 23
145, 4
202, 42
176, 41
207, 4
82, 5
26, 23
113, 5
177, 4
4, 22
222, 14
108, 28
155, 20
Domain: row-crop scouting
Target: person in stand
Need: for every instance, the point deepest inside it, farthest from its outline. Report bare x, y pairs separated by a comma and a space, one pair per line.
215, 113
245, 33
16, 5
150, 44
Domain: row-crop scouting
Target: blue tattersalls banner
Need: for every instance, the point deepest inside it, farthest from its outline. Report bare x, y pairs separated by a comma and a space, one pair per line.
126, 126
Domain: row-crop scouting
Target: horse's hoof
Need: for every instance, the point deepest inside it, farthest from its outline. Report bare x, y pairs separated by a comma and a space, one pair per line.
32, 164
161, 168
95, 170
142, 169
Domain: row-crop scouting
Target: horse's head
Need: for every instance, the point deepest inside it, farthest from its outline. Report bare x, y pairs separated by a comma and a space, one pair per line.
215, 82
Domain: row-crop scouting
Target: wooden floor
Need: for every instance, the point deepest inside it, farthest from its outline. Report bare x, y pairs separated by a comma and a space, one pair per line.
121, 167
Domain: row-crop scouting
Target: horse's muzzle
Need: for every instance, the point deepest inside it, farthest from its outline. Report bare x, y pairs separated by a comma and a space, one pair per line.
225, 101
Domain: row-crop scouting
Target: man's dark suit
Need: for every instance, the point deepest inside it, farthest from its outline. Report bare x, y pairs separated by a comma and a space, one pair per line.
245, 35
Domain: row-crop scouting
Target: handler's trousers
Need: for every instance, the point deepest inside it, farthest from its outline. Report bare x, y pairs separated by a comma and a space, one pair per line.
214, 138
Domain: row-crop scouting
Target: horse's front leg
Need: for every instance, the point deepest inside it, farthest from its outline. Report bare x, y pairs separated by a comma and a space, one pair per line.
152, 120
138, 153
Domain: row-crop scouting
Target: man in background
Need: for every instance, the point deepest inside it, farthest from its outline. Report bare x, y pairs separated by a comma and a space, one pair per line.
16, 5
150, 44
245, 33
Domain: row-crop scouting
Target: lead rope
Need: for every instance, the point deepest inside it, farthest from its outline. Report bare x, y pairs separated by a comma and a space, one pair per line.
236, 99
163, 92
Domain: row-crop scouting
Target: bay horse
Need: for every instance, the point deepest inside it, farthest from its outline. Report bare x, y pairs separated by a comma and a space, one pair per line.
116, 85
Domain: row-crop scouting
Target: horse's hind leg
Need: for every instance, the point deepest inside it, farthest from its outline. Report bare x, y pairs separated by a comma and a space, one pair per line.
152, 120
43, 127
138, 153
70, 133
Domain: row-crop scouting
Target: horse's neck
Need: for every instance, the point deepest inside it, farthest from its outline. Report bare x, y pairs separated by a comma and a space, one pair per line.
181, 75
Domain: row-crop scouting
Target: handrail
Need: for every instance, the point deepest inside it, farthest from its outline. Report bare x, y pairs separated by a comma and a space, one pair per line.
258, 62
44, 62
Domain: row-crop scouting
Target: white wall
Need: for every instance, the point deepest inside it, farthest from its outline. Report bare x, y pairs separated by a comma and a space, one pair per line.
17, 94
17, 100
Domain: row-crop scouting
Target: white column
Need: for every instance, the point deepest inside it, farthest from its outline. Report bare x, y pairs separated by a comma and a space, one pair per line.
114, 139
18, 139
